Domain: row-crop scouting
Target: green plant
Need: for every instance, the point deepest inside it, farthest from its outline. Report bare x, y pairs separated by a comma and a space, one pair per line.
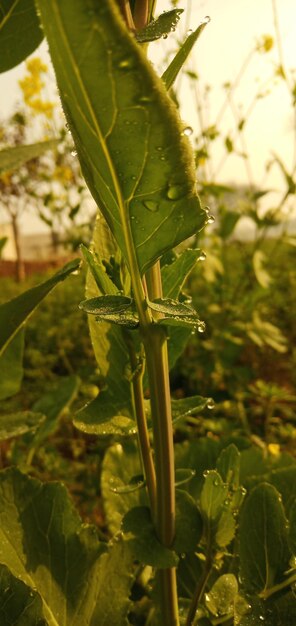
56, 571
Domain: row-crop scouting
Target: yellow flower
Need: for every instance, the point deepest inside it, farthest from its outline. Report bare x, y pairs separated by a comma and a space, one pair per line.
35, 66
274, 449
63, 173
265, 44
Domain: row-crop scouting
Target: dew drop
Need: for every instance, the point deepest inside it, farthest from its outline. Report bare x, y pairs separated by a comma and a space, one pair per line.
227, 502
201, 327
189, 31
187, 131
206, 20
202, 256
206, 473
210, 219
165, 36
210, 404
183, 555
216, 483
125, 64
132, 217
145, 99
74, 153
151, 205
175, 192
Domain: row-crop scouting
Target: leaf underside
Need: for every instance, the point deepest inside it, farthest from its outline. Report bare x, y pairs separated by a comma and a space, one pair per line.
136, 162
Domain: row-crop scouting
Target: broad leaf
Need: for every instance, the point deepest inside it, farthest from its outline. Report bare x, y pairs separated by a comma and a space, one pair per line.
19, 604
139, 534
228, 466
13, 314
16, 424
264, 554
159, 27
11, 366
199, 455
44, 545
189, 524
171, 73
279, 610
13, 158
136, 162
220, 599
20, 32
120, 464
216, 510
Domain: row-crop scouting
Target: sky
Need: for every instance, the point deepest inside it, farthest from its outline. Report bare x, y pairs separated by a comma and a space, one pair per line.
225, 43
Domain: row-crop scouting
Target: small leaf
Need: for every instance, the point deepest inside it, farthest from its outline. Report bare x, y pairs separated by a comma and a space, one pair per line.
228, 466
171, 73
105, 417
140, 536
189, 524
16, 424
119, 465
13, 158
220, 599
106, 305
135, 483
159, 27
264, 554
20, 32
263, 277
175, 308
213, 495
98, 270
112, 309
216, 509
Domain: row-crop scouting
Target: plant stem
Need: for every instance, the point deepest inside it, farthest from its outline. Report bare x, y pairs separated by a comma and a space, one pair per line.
199, 590
143, 435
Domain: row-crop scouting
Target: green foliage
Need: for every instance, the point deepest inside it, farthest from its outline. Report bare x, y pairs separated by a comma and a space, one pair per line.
20, 32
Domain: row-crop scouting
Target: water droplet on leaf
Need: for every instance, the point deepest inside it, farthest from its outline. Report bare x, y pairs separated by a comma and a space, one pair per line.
187, 131
175, 192
210, 404
151, 205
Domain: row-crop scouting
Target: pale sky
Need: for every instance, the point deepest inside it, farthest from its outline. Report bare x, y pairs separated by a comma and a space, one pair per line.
219, 53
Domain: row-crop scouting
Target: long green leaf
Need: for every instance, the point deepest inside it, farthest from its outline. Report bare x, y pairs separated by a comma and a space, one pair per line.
128, 135
12, 158
171, 73
20, 32
13, 314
